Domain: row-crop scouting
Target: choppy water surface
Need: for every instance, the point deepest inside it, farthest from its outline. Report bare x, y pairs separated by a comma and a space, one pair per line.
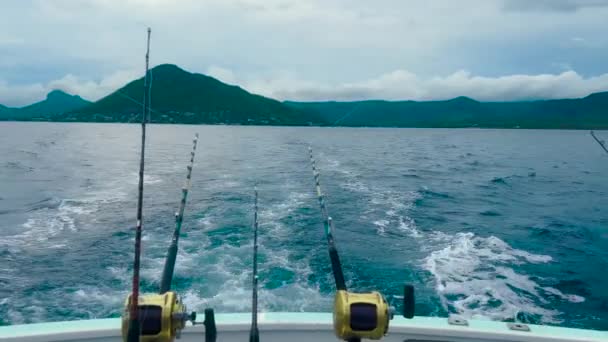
500, 224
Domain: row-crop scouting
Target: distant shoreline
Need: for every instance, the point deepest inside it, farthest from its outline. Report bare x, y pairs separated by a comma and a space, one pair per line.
316, 126
182, 97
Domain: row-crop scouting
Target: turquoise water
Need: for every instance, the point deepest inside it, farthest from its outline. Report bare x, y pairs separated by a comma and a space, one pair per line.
498, 224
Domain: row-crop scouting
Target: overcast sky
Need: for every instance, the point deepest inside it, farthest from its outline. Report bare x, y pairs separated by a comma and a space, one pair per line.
311, 50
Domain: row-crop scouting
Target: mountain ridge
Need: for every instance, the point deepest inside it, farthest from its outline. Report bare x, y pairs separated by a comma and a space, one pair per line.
56, 102
179, 96
589, 112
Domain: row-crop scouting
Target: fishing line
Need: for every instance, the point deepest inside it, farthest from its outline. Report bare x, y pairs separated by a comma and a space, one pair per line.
600, 142
254, 334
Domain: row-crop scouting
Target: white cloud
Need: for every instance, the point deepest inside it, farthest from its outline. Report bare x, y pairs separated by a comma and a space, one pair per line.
553, 5
21, 95
226, 75
18, 95
353, 48
405, 85
93, 90
394, 85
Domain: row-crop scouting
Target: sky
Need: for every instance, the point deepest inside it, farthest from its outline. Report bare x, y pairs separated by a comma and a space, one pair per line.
311, 50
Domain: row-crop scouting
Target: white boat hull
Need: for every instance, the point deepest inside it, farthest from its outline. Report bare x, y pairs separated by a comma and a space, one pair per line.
296, 327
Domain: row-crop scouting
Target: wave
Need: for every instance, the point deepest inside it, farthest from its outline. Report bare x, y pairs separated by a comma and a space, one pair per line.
389, 209
490, 213
47, 203
18, 166
214, 262
381, 226
149, 179
51, 218
473, 278
426, 192
29, 153
499, 180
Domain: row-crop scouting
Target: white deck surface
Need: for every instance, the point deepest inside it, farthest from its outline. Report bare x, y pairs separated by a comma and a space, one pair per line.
295, 327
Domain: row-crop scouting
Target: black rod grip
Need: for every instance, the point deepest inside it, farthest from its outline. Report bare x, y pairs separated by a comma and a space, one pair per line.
336, 267
409, 302
210, 329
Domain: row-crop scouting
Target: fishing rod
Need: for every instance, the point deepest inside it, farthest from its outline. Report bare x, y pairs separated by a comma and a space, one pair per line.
134, 324
600, 142
356, 315
334, 258
167, 277
159, 317
254, 334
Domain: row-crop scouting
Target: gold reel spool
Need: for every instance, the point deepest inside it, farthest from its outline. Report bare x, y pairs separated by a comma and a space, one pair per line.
360, 315
162, 317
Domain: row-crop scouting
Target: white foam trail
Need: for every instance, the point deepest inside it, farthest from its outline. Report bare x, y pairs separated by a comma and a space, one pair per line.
149, 179
225, 270
473, 279
270, 217
232, 297
408, 225
381, 226
45, 226
473, 275
569, 297
206, 222
399, 203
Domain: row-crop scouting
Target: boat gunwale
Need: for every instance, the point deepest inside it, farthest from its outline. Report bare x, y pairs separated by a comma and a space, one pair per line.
416, 328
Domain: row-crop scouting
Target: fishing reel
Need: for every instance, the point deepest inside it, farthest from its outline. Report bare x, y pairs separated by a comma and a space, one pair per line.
162, 317
366, 315
356, 315
360, 315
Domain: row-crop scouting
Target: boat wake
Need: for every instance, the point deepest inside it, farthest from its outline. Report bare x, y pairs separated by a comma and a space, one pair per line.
473, 276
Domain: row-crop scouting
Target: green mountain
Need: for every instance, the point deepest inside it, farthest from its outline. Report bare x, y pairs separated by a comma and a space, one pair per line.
56, 102
590, 112
6, 113
4, 109
179, 96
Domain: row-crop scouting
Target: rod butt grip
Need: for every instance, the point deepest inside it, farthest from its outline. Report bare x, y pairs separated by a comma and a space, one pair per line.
409, 302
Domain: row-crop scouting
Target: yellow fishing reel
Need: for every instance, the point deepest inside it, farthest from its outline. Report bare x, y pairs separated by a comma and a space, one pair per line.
360, 315
162, 317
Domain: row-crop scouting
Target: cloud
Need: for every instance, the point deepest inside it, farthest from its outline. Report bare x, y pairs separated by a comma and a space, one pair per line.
21, 95
405, 85
226, 75
552, 5
394, 85
336, 44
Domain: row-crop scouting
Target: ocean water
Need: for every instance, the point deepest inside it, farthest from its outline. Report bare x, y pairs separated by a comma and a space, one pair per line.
494, 224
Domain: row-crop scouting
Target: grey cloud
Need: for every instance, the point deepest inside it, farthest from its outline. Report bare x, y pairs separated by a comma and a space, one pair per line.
404, 85
311, 48
395, 85
552, 5
16, 95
